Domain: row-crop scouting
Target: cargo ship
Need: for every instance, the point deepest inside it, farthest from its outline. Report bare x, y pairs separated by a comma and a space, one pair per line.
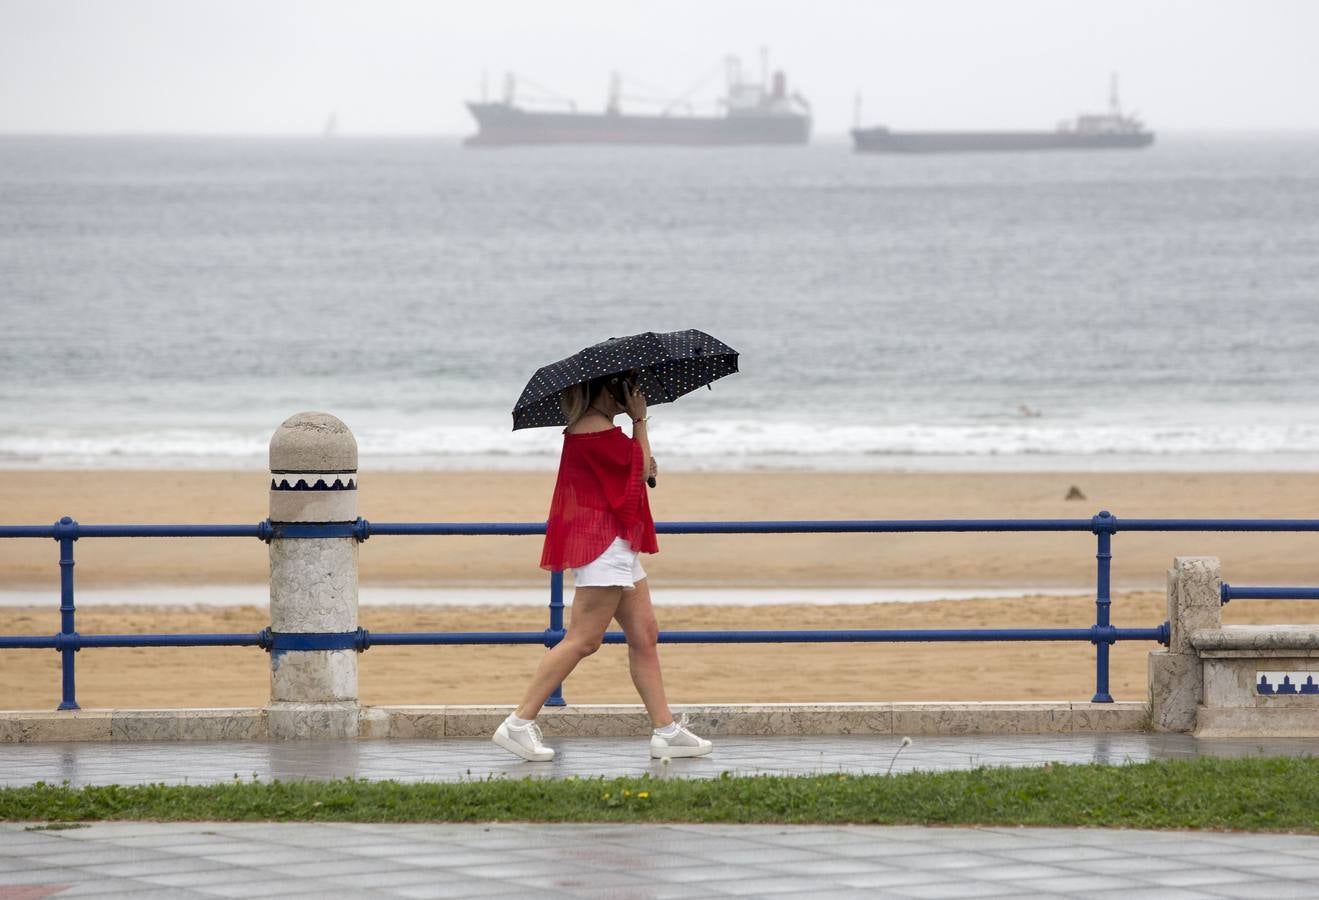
750, 112
1112, 130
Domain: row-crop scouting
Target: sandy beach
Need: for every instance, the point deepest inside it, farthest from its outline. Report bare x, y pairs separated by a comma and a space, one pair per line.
1045, 564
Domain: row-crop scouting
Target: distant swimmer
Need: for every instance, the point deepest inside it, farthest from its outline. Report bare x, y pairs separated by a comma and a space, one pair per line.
1027, 413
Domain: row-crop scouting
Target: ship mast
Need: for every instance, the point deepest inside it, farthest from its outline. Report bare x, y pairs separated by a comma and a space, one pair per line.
1114, 107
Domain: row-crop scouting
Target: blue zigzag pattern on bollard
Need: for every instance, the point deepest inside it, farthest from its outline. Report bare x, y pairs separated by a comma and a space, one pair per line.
1273, 684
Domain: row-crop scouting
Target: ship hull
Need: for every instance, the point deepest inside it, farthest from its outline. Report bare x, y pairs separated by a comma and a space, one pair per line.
881, 140
502, 126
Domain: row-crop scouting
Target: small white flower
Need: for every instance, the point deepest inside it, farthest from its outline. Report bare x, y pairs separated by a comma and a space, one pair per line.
902, 745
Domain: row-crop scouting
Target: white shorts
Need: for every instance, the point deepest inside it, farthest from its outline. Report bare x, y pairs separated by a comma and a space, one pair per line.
618, 566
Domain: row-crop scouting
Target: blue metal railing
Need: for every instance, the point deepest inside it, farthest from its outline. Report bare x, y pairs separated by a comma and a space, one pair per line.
1102, 633
1229, 592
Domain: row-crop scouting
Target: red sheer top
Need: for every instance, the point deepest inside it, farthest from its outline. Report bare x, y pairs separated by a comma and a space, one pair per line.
599, 496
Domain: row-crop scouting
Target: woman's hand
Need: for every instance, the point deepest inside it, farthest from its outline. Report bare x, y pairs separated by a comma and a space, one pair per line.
634, 402
652, 470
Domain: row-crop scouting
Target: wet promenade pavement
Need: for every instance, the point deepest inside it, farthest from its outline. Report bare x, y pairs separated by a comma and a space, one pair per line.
455, 759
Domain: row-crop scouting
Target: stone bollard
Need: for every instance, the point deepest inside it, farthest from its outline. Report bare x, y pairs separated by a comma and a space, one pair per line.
1176, 677
313, 581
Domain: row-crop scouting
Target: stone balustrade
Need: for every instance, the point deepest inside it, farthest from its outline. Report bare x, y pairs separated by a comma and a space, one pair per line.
1221, 680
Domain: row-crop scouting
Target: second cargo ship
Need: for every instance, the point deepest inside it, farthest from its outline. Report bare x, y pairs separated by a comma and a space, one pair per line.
1096, 131
753, 112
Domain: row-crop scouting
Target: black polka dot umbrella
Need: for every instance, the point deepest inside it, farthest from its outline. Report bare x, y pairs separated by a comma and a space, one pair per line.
669, 365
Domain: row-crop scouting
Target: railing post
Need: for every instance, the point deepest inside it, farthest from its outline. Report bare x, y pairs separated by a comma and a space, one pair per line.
555, 632
1105, 524
313, 581
1177, 675
66, 532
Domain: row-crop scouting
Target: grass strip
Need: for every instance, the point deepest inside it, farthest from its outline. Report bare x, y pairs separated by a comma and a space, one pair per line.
1251, 794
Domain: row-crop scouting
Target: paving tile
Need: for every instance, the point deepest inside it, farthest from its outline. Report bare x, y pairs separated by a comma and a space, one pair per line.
273, 858
1071, 884
94, 855
1167, 893
760, 887
388, 849
44, 874
873, 850
154, 866
896, 879
104, 887
801, 836
786, 856
161, 893
1252, 859
572, 881
323, 869
938, 861
971, 840
1136, 859
157, 842
1265, 888
705, 875
1193, 847
469, 889
1308, 871
201, 880
271, 887
1060, 855
824, 867
1206, 876
834, 893
950, 890
204, 846
385, 881
1010, 871
439, 859
513, 870
650, 892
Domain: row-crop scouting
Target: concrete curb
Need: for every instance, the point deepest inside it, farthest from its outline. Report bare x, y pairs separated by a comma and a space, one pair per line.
433, 722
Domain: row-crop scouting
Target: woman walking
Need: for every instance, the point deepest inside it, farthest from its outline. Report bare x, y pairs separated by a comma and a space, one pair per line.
599, 523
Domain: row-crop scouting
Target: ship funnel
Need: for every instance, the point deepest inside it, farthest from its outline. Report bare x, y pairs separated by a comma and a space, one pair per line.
780, 85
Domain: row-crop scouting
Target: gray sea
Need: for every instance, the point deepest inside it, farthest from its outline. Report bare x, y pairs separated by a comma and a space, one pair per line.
168, 301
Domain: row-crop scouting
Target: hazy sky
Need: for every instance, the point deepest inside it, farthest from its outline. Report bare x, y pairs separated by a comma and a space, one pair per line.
404, 66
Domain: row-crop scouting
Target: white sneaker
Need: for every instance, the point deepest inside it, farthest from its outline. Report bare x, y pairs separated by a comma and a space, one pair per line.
680, 743
524, 741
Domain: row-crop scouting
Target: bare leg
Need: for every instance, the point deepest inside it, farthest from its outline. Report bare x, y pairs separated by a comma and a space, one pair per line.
637, 618
592, 608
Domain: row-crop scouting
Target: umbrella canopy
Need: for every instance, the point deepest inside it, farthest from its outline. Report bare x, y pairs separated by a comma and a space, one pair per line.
669, 365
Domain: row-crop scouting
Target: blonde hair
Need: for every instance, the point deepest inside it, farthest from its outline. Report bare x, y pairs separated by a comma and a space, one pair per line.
574, 401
